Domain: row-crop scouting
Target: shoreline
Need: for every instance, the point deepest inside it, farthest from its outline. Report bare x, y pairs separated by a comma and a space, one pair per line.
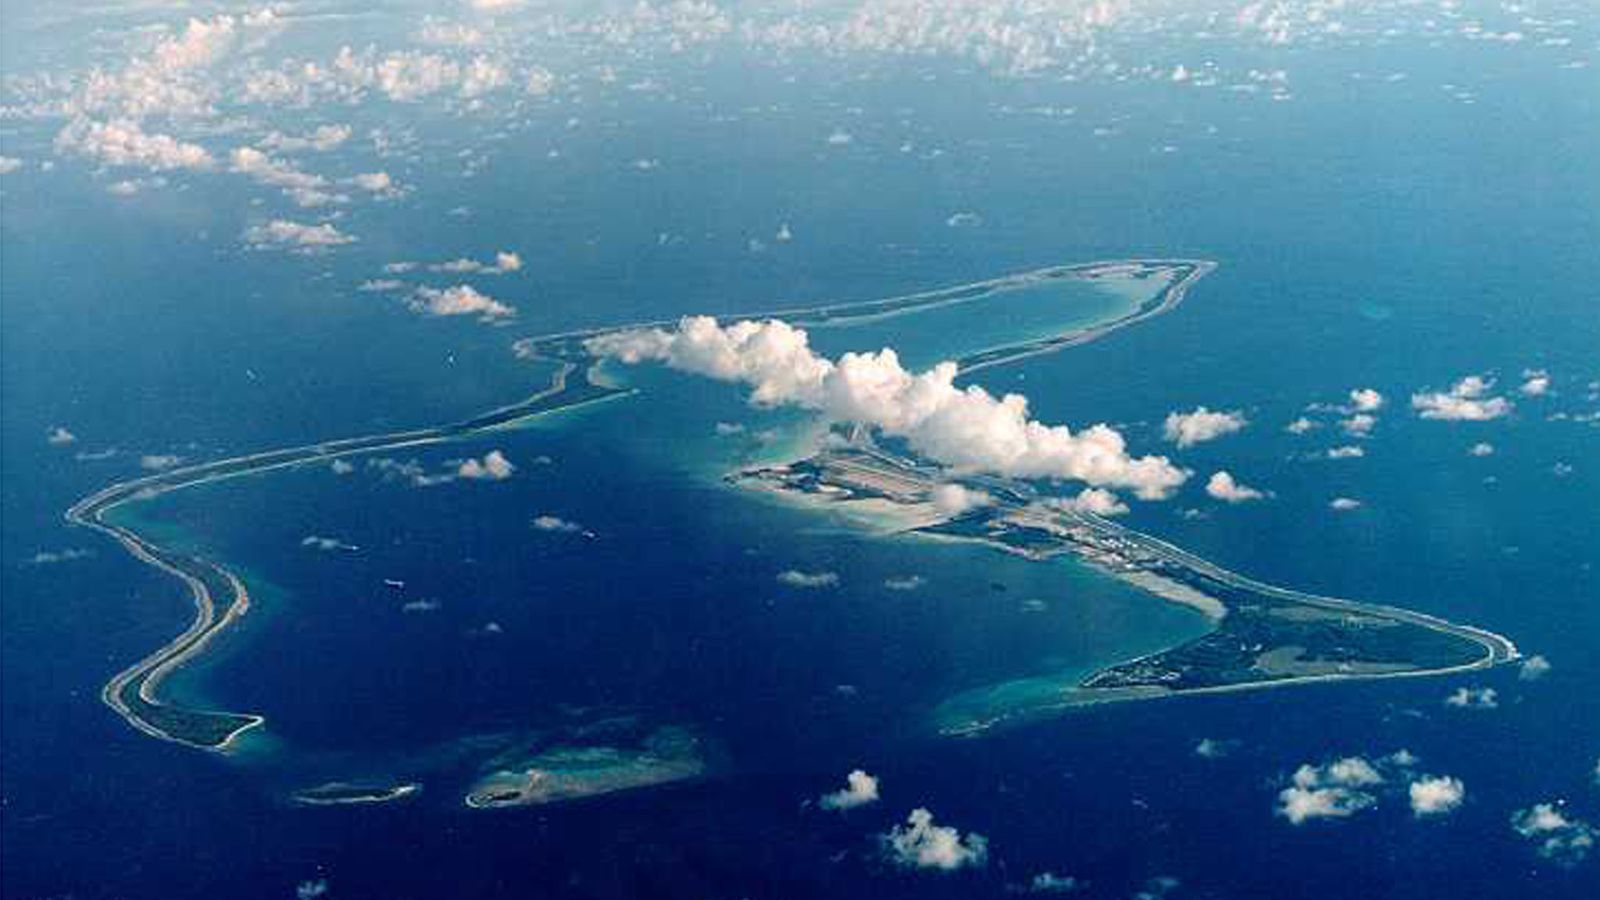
134, 692
1498, 649
220, 731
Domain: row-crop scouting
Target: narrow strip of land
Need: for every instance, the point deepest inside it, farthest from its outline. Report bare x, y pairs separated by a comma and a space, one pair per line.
221, 599
1261, 635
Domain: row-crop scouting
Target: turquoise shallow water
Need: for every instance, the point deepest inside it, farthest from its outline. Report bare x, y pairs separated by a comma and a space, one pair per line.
652, 548
1010, 317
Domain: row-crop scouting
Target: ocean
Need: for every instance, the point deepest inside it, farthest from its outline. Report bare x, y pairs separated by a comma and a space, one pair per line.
1359, 244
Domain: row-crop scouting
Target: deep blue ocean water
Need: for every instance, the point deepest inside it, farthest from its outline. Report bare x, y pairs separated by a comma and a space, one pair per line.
1358, 244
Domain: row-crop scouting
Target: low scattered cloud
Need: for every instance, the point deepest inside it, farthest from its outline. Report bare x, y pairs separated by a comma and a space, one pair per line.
295, 236
326, 544
1359, 425
311, 890
1468, 400
504, 263
304, 188
378, 184
1097, 501
1557, 836
1436, 796
9, 164
1336, 790
341, 467
1535, 383
860, 789
410, 471
157, 462
1366, 400
128, 187
1200, 425
953, 499
1222, 486
921, 844
556, 525
1209, 748
810, 580
1482, 448
1534, 668
122, 142
964, 220
1348, 451
1301, 426
421, 606
492, 467
59, 436
1051, 883
447, 34
904, 582
460, 300
56, 557
322, 139
964, 427
1158, 888
1344, 504
1474, 698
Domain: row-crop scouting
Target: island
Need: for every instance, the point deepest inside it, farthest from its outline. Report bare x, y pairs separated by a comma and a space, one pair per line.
1262, 635
220, 597
562, 773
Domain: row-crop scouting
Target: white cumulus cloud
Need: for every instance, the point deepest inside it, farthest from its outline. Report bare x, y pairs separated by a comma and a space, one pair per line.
1223, 486
1337, 790
1534, 668
1200, 425
285, 233
504, 263
952, 499
1558, 837
122, 142
798, 579
1433, 796
860, 789
156, 462
1097, 501
493, 467
922, 844
1468, 400
1366, 400
1359, 425
962, 427
460, 300
1301, 426
556, 524
1474, 698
